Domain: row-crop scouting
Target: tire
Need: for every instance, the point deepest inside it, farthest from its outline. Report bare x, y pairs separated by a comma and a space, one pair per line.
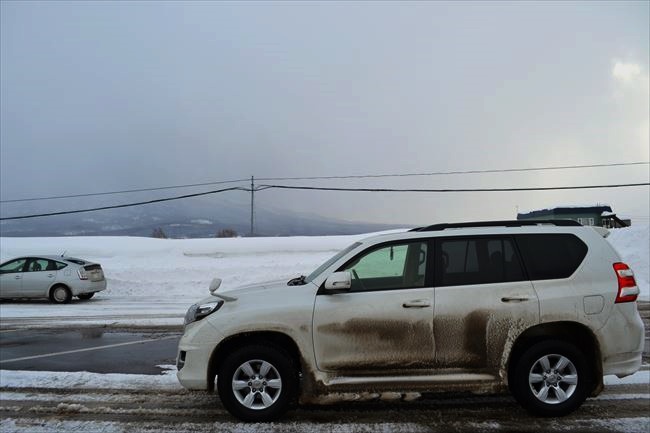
60, 295
86, 296
257, 383
551, 378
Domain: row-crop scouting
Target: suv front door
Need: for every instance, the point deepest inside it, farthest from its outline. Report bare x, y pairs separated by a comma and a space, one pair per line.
384, 322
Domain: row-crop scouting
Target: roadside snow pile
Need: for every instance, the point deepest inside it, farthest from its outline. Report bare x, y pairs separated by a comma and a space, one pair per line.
152, 282
85, 380
181, 269
633, 244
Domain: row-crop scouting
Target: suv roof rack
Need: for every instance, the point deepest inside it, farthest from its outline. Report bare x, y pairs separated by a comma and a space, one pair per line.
506, 223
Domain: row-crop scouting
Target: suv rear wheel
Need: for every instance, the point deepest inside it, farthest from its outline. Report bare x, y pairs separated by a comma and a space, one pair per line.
257, 383
552, 378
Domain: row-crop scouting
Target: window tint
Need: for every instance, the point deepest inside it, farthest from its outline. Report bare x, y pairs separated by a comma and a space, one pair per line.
396, 266
59, 265
476, 261
551, 256
38, 265
13, 266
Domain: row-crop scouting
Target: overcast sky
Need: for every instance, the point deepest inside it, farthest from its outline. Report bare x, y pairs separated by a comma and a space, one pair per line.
112, 95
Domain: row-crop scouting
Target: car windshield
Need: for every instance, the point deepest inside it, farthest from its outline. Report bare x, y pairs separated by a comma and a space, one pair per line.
329, 262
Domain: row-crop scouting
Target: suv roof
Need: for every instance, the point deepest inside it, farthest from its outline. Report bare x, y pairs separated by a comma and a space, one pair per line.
505, 223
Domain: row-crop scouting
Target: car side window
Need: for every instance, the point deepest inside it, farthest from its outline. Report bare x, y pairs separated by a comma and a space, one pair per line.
58, 265
13, 266
468, 261
395, 266
37, 265
551, 256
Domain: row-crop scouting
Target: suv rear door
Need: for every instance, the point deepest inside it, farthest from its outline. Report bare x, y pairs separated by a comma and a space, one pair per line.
484, 300
384, 322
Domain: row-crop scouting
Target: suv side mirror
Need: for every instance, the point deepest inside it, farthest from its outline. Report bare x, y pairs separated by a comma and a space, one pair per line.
339, 281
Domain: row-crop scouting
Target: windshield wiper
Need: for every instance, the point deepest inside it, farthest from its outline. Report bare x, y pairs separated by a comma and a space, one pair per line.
298, 281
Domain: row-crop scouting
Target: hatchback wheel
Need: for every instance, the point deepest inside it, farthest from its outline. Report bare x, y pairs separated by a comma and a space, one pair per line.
552, 378
60, 295
257, 383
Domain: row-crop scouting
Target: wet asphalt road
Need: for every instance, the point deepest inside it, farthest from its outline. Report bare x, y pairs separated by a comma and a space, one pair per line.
95, 350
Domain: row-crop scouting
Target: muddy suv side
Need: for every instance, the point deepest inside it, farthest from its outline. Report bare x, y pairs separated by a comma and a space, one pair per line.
544, 309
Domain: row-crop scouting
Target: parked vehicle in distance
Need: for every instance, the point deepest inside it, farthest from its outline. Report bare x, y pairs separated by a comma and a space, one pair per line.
542, 308
55, 277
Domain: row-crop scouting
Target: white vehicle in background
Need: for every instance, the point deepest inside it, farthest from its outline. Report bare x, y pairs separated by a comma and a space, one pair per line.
55, 277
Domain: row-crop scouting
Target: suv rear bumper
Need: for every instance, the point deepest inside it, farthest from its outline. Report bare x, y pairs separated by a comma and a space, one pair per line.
622, 339
622, 364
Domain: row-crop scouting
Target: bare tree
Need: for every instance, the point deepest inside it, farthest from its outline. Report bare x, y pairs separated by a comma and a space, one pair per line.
227, 233
158, 233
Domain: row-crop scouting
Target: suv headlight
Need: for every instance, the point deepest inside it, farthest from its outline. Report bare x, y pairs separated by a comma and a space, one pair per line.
199, 311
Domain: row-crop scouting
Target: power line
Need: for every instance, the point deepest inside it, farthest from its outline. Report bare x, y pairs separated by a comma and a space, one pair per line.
444, 173
364, 176
549, 188
125, 191
124, 205
315, 188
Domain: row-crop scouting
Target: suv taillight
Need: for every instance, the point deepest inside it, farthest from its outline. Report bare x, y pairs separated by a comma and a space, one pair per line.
627, 288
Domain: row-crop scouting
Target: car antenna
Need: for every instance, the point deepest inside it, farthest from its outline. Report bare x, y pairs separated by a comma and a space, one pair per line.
63, 253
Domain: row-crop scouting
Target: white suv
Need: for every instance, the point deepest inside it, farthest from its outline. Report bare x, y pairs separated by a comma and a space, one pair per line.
542, 308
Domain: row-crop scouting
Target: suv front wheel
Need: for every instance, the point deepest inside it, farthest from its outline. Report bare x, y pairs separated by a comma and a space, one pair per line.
257, 383
551, 378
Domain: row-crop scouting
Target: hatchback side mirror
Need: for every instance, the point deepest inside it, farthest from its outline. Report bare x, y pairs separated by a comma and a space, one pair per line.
214, 285
339, 281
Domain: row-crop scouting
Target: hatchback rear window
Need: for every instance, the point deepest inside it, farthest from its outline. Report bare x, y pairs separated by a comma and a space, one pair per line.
551, 256
75, 261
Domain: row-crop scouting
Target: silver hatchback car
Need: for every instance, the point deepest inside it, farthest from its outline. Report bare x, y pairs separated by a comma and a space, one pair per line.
55, 277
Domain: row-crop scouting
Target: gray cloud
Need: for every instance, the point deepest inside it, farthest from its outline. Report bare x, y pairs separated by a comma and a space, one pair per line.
111, 95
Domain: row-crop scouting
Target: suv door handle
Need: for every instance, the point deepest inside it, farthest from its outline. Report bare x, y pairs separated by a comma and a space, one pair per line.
416, 304
514, 299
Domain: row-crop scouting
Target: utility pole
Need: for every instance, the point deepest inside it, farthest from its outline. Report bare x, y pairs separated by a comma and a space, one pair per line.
252, 202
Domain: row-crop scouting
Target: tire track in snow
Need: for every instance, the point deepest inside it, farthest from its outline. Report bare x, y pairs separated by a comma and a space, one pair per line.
37, 410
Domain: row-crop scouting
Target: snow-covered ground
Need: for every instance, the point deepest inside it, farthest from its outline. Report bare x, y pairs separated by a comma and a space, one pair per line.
153, 281
49, 402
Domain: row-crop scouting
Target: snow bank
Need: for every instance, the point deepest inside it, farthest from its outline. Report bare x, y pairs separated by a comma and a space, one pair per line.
85, 380
633, 244
152, 282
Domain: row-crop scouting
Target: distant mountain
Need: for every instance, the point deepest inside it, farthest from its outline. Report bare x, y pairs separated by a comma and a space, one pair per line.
191, 220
